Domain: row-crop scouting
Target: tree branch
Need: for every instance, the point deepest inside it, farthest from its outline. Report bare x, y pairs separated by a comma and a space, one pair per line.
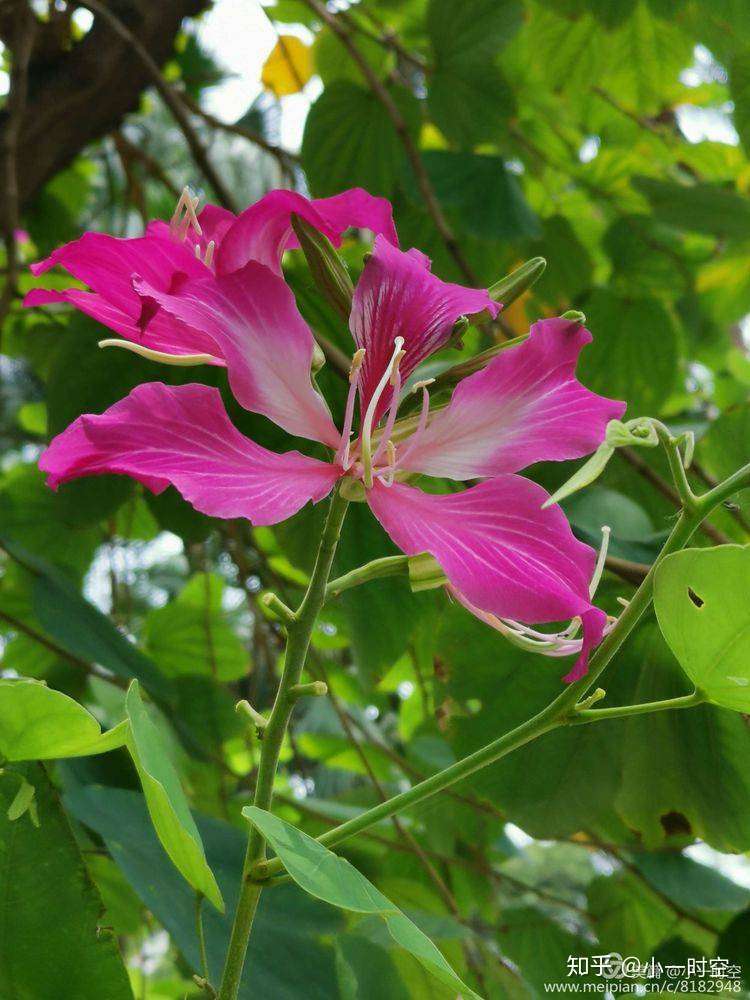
78, 95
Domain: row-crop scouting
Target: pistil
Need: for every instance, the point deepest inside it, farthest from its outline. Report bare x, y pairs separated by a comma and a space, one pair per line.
367, 428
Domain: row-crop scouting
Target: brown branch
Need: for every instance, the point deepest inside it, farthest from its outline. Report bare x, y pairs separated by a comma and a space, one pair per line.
150, 163
171, 98
16, 105
80, 90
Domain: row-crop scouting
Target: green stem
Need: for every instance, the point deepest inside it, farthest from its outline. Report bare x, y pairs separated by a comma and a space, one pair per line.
199, 897
375, 570
671, 445
299, 632
586, 715
556, 714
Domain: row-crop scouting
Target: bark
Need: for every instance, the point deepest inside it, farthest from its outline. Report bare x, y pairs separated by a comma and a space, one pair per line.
79, 93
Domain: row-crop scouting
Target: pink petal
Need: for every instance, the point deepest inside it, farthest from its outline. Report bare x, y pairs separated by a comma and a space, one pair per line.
264, 230
181, 436
397, 296
526, 406
252, 319
498, 548
107, 265
354, 209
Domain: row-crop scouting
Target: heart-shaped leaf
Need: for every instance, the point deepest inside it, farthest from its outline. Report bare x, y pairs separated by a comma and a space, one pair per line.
700, 596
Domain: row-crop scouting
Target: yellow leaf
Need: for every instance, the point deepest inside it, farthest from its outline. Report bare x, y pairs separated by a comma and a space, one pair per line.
288, 67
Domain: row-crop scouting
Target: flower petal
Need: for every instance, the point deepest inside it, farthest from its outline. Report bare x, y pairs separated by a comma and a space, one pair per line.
526, 406
497, 547
397, 296
107, 265
264, 230
181, 436
354, 209
252, 319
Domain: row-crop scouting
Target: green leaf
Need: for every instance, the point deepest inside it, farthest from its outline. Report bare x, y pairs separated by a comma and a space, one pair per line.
193, 634
469, 98
333, 62
38, 723
630, 917
700, 596
334, 880
634, 352
701, 787
698, 208
166, 800
723, 449
471, 30
538, 945
483, 196
690, 884
51, 942
470, 103
349, 141
288, 921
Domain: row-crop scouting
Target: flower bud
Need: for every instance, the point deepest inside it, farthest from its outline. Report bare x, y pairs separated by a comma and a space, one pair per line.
326, 267
425, 573
513, 285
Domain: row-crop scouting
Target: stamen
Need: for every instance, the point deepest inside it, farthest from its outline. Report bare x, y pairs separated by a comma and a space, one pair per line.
390, 470
398, 343
599, 569
179, 360
413, 441
357, 361
208, 257
184, 216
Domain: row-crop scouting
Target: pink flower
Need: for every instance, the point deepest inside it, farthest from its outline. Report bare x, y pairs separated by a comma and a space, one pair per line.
194, 246
505, 557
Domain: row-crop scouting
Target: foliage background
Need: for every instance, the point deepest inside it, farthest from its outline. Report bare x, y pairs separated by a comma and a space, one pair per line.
608, 136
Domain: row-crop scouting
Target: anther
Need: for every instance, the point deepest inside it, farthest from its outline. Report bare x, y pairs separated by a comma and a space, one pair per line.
184, 215
422, 384
395, 374
357, 361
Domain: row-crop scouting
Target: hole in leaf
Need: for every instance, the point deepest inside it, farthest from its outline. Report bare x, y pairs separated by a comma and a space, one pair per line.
697, 601
675, 824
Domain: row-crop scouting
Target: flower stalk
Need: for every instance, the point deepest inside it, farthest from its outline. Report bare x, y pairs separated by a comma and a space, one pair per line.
299, 633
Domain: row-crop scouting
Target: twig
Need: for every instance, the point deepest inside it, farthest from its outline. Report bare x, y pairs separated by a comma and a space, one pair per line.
19, 78
170, 97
